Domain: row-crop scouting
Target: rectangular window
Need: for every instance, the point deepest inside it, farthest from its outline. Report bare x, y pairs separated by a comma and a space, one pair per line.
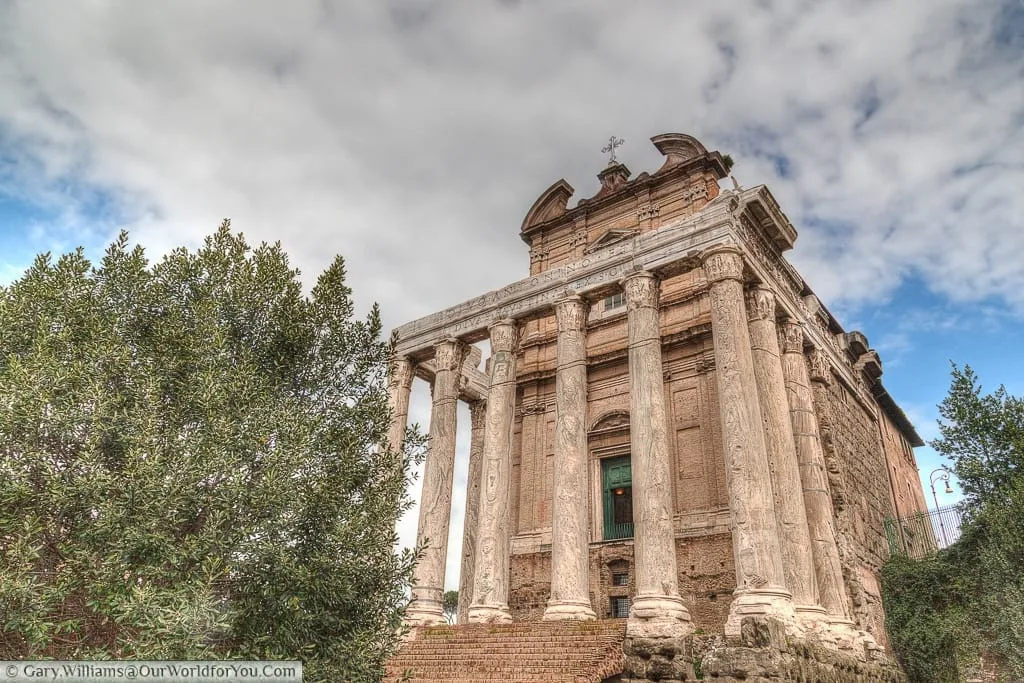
620, 607
620, 579
614, 301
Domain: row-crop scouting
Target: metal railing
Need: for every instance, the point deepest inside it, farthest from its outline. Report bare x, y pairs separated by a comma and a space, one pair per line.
923, 533
615, 531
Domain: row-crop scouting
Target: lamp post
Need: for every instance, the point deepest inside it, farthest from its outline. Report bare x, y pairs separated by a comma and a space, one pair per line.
944, 476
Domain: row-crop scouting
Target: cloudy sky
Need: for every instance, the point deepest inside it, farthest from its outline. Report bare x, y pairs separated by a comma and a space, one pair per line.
412, 137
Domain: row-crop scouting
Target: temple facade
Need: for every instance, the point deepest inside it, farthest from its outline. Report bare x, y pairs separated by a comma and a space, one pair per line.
670, 429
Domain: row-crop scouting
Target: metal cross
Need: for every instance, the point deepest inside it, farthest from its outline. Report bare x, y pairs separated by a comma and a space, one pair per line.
613, 143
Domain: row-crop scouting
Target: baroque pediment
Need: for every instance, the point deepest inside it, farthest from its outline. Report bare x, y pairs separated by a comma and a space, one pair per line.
609, 238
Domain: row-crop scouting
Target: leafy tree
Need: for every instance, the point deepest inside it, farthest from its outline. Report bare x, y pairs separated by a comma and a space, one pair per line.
189, 463
451, 605
972, 594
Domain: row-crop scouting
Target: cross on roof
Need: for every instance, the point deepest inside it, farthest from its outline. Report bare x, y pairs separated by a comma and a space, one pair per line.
613, 143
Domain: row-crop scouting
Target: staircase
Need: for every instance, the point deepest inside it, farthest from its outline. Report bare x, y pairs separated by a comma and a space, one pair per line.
564, 651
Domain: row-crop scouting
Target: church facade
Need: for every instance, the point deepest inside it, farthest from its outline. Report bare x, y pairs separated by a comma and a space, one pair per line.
671, 428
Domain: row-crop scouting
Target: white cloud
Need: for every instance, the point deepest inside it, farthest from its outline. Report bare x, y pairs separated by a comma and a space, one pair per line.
412, 137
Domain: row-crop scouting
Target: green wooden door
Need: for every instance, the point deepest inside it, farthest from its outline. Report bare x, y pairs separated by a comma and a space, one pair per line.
617, 484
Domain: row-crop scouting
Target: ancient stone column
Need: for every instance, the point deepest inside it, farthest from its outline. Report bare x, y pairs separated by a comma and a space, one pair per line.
570, 529
491, 578
477, 413
427, 606
813, 475
794, 539
657, 610
399, 386
760, 582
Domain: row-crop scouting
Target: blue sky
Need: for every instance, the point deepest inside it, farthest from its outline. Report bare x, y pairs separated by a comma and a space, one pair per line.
411, 136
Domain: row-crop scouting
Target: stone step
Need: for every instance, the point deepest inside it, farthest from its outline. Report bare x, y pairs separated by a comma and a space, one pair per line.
523, 652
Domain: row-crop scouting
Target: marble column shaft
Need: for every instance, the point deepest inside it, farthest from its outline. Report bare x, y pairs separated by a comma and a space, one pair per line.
657, 609
794, 539
491, 578
399, 386
477, 414
570, 529
759, 577
427, 606
813, 474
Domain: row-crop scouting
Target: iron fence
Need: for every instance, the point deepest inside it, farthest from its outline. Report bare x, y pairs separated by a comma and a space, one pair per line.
923, 533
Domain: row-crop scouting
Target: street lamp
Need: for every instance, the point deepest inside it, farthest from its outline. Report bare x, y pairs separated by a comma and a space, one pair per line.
944, 476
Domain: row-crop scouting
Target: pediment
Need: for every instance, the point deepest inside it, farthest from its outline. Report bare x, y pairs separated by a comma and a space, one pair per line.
609, 238
612, 421
552, 203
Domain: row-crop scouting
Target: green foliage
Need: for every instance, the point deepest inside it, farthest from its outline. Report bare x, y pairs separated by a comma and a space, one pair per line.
189, 464
727, 160
972, 594
451, 605
926, 615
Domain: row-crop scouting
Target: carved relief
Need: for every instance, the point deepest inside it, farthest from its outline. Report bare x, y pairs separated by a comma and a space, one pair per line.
695, 192
768, 257
723, 264
449, 354
791, 337
760, 304
401, 372
504, 336
821, 369
571, 314
647, 211
641, 290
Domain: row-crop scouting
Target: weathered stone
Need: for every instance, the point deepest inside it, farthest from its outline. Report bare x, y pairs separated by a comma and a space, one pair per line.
570, 519
477, 414
427, 606
491, 582
712, 415
657, 609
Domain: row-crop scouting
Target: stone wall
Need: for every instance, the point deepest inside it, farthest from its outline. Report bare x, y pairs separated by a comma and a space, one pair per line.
705, 572
859, 482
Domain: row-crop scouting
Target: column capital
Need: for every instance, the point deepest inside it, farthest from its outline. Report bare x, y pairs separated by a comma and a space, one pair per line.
792, 336
401, 372
724, 262
760, 303
477, 412
504, 335
449, 354
641, 289
571, 313
821, 370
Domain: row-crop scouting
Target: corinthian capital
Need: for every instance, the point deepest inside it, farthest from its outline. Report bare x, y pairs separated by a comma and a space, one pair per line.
792, 337
722, 263
571, 314
641, 289
401, 372
504, 335
449, 354
760, 304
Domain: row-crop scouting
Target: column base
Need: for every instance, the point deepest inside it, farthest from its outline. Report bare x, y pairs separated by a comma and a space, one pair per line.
566, 610
424, 612
489, 614
658, 616
812, 619
774, 603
